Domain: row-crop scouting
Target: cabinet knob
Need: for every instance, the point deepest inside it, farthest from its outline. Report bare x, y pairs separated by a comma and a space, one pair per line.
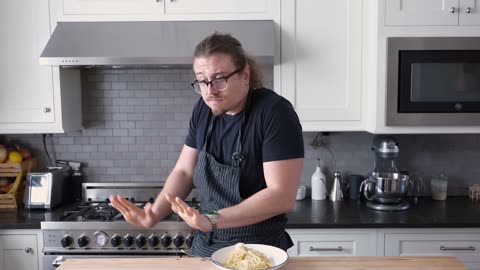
47, 109
468, 9
28, 250
452, 10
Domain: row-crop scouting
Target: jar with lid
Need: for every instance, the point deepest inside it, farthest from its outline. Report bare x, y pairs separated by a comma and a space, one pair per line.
438, 186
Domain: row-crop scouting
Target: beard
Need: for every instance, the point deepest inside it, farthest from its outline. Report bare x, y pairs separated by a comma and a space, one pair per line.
218, 112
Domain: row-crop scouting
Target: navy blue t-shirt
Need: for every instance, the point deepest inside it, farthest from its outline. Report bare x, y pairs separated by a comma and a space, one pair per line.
272, 132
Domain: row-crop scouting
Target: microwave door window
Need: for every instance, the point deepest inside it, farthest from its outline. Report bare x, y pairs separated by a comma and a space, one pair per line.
39, 187
439, 81
445, 82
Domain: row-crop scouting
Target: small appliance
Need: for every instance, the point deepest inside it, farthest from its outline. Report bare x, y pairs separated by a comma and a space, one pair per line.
433, 81
386, 188
45, 187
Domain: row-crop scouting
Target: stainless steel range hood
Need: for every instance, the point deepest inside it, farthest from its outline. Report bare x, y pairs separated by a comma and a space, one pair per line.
165, 43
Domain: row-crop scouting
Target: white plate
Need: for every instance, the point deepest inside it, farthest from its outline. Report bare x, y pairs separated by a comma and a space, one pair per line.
277, 257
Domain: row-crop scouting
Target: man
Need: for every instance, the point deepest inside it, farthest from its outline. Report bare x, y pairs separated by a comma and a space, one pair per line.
244, 153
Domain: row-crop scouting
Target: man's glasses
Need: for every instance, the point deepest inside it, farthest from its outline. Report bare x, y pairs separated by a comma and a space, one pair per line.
218, 84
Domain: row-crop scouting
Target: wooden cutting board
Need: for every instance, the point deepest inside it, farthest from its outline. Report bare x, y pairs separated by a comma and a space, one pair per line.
294, 263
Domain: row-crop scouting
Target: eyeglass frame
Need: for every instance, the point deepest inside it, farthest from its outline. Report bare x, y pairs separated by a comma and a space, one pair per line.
216, 79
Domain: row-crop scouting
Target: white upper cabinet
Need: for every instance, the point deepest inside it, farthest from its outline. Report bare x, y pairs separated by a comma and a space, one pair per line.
30, 98
432, 12
145, 10
25, 87
215, 6
111, 7
321, 62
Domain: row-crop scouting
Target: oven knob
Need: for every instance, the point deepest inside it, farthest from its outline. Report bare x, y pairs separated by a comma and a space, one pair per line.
83, 241
128, 240
140, 241
66, 241
166, 240
189, 240
178, 240
153, 240
116, 240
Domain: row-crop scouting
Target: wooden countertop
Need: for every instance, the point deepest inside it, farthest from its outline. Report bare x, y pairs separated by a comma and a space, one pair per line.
294, 263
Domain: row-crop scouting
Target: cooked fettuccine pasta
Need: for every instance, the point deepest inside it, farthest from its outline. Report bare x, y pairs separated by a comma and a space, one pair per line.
243, 258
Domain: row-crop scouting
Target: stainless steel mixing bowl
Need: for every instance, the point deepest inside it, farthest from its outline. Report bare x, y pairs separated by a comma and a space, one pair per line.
385, 187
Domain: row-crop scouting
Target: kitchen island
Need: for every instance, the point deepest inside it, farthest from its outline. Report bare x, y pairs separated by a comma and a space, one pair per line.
294, 263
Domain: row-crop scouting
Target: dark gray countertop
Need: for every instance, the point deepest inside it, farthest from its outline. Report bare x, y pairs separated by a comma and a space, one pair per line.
455, 212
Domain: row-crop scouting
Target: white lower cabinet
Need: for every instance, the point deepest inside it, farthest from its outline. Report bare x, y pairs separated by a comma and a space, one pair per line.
20, 250
333, 242
462, 243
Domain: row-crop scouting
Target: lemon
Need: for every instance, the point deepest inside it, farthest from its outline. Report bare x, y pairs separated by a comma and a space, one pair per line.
15, 157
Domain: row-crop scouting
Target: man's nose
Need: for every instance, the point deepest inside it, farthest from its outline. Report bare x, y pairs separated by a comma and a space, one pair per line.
211, 89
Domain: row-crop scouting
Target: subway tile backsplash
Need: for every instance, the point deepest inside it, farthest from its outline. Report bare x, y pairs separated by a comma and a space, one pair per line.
136, 121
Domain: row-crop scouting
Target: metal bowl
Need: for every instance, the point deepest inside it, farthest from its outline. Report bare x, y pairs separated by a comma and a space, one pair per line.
385, 187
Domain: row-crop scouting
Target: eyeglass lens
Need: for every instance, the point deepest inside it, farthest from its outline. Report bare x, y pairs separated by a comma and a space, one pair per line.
217, 85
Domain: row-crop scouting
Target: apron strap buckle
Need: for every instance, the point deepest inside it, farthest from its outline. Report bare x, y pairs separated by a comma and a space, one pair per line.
238, 157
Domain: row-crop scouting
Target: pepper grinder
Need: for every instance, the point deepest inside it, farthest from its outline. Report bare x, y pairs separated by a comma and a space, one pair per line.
336, 193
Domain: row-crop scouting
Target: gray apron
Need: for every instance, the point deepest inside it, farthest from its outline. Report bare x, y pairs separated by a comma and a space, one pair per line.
219, 185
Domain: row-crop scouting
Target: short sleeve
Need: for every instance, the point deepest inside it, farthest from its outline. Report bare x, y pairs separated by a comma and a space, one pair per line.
283, 138
191, 139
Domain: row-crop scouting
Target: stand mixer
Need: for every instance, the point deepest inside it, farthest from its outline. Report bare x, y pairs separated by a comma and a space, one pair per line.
385, 188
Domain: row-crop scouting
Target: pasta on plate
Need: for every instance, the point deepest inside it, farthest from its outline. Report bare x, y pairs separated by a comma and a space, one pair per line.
243, 258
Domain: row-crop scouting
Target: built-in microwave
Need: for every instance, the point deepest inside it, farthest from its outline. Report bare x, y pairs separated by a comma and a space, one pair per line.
433, 81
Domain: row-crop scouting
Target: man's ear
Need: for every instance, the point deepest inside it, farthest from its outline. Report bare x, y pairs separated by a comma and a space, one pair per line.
246, 73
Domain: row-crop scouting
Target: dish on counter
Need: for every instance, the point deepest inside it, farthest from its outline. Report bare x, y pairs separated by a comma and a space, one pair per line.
275, 256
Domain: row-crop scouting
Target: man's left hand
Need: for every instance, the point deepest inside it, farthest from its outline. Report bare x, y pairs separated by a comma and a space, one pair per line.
189, 214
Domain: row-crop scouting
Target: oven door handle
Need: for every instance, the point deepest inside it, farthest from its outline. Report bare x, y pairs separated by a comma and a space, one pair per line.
58, 261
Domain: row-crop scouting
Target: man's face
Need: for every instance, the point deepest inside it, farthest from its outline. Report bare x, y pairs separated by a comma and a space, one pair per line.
232, 99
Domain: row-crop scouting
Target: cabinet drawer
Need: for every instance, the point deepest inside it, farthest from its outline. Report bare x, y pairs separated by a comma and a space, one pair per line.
324, 243
464, 246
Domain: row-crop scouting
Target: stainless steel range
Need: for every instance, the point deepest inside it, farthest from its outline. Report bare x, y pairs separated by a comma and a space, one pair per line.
93, 228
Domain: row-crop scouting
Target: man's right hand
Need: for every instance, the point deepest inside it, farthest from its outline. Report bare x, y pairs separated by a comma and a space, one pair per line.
144, 218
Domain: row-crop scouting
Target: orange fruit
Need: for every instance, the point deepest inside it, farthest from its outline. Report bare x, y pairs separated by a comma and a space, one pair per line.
15, 157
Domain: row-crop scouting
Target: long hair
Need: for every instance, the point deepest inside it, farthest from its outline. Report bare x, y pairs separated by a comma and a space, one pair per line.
227, 44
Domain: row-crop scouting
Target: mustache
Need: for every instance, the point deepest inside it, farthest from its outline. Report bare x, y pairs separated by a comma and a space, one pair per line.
212, 97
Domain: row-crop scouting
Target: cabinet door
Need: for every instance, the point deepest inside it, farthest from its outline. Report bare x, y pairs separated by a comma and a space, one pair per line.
18, 252
321, 62
469, 12
424, 12
157, 10
26, 88
112, 7
216, 6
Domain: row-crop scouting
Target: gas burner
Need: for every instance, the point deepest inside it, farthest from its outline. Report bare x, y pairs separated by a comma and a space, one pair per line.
104, 211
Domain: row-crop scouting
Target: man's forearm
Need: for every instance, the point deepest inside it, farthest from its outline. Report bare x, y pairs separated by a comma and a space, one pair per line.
261, 206
178, 184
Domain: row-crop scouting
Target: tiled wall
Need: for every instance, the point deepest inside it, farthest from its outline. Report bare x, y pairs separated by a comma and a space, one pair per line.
136, 121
